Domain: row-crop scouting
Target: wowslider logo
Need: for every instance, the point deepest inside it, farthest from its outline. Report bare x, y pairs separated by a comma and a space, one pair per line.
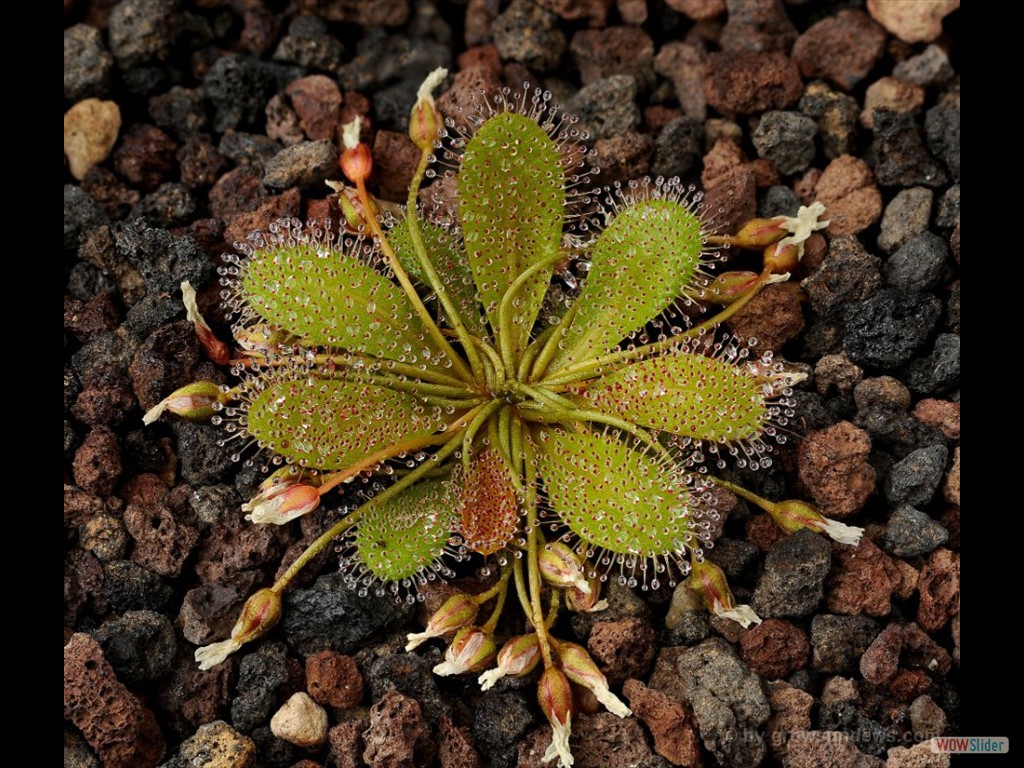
970, 745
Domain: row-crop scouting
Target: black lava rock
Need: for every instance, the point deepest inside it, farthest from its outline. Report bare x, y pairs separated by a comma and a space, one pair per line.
87, 63
331, 615
309, 44
410, 674
838, 642
179, 111
793, 582
906, 216
141, 31
678, 147
80, 213
787, 140
942, 130
238, 87
920, 265
500, 721
901, 158
940, 371
170, 205
140, 645
127, 586
911, 533
915, 478
847, 274
527, 33
607, 107
260, 675
163, 259
885, 330
204, 461
778, 200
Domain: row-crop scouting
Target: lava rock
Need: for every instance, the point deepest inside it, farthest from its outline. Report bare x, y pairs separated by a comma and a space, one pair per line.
833, 465
217, 745
942, 131
115, 723
837, 642
500, 721
141, 31
398, 735
912, 22
334, 680
842, 48
948, 214
742, 83
127, 586
939, 588
778, 200
901, 158
179, 111
81, 212
836, 115
527, 33
146, 156
929, 68
310, 44
817, 748
911, 532
618, 50
306, 164
914, 479
940, 371
793, 582
139, 645
775, 648
260, 676
203, 458
886, 329
622, 649
330, 615
170, 205
603, 740
726, 698
411, 675
851, 199
686, 66
848, 273
238, 87
787, 140
163, 259
607, 107
862, 581
87, 64
670, 723
757, 25
905, 217
919, 265
889, 93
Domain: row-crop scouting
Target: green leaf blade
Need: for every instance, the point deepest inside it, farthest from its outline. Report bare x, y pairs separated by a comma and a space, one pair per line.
511, 206
687, 394
640, 264
407, 534
326, 296
615, 497
329, 424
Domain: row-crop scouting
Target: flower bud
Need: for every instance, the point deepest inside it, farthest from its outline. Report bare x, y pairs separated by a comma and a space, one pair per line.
554, 694
586, 602
758, 233
794, 515
259, 615
352, 209
278, 505
356, 159
519, 656
215, 349
708, 581
782, 258
472, 650
730, 286
581, 669
458, 611
561, 567
425, 121
799, 227
193, 401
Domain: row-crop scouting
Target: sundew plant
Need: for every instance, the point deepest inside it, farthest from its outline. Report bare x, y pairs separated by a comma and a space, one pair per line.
565, 432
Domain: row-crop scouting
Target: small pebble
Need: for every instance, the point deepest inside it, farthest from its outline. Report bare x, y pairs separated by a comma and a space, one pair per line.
787, 140
912, 22
90, 131
300, 721
906, 216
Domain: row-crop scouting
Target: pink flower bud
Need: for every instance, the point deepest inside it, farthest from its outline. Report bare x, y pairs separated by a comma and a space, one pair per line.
425, 121
781, 258
561, 567
458, 611
194, 401
259, 615
758, 233
794, 515
730, 286
581, 669
472, 650
276, 504
519, 656
357, 163
215, 349
554, 694
708, 581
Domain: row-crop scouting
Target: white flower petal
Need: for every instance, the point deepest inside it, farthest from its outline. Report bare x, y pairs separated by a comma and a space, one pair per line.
841, 532
350, 133
742, 614
155, 412
432, 81
559, 746
188, 298
210, 656
490, 677
611, 702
